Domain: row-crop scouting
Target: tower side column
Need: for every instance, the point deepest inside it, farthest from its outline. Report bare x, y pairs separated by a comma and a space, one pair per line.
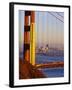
32, 38
26, 37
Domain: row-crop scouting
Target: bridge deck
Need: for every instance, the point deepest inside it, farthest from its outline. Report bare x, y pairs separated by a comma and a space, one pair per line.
50, 65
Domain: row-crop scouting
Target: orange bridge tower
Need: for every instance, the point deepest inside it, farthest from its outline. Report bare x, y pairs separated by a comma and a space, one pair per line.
29, 37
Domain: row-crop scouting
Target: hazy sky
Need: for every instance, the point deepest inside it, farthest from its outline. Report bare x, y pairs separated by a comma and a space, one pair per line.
49, 27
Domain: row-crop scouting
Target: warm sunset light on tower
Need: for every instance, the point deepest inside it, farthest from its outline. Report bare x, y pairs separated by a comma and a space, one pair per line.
32, 43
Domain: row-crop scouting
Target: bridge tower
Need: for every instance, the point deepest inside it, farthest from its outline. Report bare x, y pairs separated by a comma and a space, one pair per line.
32, 35
29, 37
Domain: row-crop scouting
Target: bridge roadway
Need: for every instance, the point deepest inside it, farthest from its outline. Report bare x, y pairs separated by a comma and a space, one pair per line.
51, 65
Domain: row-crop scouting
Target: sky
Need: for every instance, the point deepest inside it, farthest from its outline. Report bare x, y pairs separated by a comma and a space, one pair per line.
49, 27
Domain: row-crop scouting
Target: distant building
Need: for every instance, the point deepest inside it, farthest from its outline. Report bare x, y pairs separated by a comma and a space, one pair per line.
43, 49
46, 48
